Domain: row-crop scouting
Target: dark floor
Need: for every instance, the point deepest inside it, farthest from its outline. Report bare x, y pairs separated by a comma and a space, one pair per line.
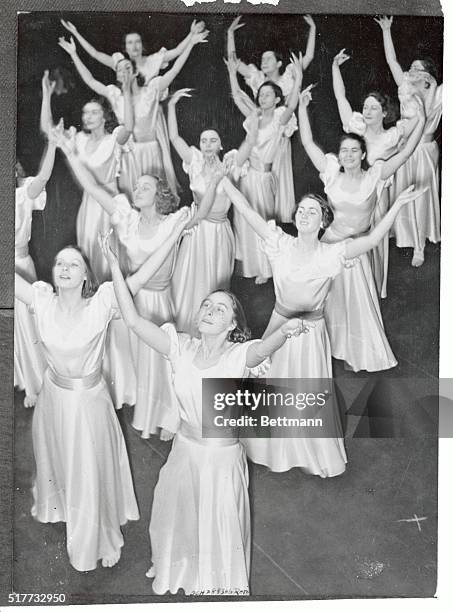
354, 535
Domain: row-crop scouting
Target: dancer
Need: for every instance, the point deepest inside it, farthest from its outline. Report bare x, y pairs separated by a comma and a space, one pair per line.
200, 521
421, 220
381, 143
258, 182
271, 63
352, 311
150, 146
303, 270
29, 359
82, 469
205, 259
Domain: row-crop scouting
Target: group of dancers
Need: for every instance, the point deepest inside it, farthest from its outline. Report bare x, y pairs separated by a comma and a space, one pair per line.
140, 310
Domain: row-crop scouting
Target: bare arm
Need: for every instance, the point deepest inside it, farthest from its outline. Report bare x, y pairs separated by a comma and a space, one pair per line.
252, 135
310, 48
196, 28
103, 58
181, 146
242, 68
389, 49
258, 351
170, 75
344, 108
85, 74
23, 290
46, 119
293, 97
241, 99
256, 222
40, 181
129, 117
317, 156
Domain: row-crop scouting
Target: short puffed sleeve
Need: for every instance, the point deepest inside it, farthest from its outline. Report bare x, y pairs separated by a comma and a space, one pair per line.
153, 64
42, 296
255, 78
38, 203
231, 166
124, 218
290, 127
333, 259
105, 303
375, 172
236, 361
356, 124
195, 166
117, 57
178, 342
331, 170
276, 241
115, 97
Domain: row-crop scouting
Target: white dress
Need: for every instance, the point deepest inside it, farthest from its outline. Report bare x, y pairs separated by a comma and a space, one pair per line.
200, 520
301, 289
82, 468
29, 359
205, 260
282, 166
259, 184
352, 312
155, 405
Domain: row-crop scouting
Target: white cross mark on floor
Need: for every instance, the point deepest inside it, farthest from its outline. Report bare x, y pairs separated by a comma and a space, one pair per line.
416, 519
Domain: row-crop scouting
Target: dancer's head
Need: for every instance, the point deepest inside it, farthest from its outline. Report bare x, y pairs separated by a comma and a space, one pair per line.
127, 66
269, 95
133, 45
270, 62
352, 152
424, 64
71, 269
97, 113
210, 143
377, 109
312, 214
221, 313
154, 191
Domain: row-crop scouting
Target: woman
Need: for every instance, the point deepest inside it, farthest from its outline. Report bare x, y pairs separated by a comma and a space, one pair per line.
381, 143
303, 270
150, 148
258, 181
271, 64
352, 311
82, 469
29, 360
206, 257
200, 521
421, 220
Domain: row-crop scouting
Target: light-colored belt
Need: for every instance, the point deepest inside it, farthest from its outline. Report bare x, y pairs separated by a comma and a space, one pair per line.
218, 220
186, 431
260, 167
156, 285
68, 382
21, 252
313, 315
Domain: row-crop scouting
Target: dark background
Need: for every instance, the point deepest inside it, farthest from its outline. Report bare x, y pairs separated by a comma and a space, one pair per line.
211, 105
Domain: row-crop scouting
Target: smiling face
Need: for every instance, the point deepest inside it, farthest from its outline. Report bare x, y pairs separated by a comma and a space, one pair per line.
93, 116
123, 67
133, 45
269, 63
372, 111
145, 191
267, 99
69, 270
210, 143
350, 154
216, 315
308, 217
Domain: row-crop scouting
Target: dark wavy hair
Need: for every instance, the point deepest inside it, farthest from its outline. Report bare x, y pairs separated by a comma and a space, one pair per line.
429, 66
387, 104
241, 333
90, 286
326, 211
110, 119
277, 90
166, 200
278, 56
140, 80
351, 136
123, 42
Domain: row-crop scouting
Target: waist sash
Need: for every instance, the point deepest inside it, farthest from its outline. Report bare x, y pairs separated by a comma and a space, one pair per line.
260, 166
69, 382
192, 434
313, 315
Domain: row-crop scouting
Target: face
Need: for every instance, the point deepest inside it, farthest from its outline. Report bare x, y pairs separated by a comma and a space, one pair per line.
269, 63
267, 98
216, 314
123, 67
133, 44
92, 116
145, 191
210, 142
308, 217
417, 66
372, 111
350, 154
69, 270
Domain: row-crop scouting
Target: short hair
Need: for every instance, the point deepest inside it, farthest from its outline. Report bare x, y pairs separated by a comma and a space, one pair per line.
123, 42
352, 136
429, 66
140, 79
166, 200
327, 214
90, 286
277, 90
387, 104
110, 119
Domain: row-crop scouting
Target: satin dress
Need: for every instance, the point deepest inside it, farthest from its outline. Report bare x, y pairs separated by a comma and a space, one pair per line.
200, 519
205, 260
282, 166
29, 360
302, 286
155, 405
353, 314
82, 468
259, 184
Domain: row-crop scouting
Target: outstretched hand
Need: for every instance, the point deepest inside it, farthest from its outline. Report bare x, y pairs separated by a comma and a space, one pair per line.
197, 27
69, 26
232, 63
199, 37
236, 25
68, 45
48, 86
106, 248
310, 21
296, 65
341, 58
409, 195
305, 96
180, 93
63, 139
295, 327
384, 22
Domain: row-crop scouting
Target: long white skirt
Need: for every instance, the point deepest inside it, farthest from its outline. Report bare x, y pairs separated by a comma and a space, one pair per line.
29, 360
118, 365
156, 404
283, 168
200, 520
205, 263
82, 471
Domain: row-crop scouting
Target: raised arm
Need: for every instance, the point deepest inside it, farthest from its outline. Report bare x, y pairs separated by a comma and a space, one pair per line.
256, 222
40, 180
207, 200
310, 48
103, 58
46, 119
23, 290
181, 146
293, 97
242, 68
195, 39
241, 99
258, 351
344, 108
390, 166
252, 135
129, 116
317, 156
389, 49
196, 28
85, 74
145, 329
361, 245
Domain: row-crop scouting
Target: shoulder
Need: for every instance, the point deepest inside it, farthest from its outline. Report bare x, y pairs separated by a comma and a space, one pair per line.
331, 170
195, 166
